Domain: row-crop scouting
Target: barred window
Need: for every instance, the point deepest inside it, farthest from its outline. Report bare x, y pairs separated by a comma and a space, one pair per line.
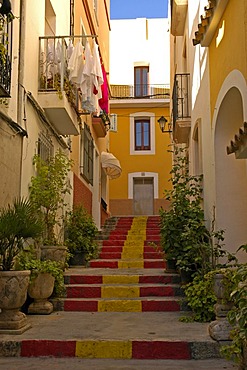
45, 147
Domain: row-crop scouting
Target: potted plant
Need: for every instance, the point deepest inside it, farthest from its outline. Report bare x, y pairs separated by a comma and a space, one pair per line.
45, 275
18, 223
81, 232
48, 192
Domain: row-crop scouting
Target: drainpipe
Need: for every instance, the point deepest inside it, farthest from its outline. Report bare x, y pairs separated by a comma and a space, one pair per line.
21, 79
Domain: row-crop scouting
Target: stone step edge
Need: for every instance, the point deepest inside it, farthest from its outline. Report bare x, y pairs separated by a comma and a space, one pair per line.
143, 304
115, 349
167, 278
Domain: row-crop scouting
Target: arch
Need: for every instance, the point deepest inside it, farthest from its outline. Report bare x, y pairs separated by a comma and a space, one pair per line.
230, 174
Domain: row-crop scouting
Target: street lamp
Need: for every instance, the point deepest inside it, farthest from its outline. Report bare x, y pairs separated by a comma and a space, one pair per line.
162, 123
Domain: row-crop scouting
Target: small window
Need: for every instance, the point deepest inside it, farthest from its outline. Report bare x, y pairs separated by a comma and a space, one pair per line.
45, 147
142, 134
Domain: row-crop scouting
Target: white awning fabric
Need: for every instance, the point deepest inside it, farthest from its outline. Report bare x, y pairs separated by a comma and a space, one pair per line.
111, 165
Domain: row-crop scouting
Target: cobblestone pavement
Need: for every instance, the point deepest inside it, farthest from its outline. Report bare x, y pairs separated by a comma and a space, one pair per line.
11, 363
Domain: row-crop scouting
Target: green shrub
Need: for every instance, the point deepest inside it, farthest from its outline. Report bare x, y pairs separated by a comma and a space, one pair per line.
81, 232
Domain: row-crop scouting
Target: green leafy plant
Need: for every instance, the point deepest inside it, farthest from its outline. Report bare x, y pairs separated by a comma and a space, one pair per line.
27, 260
184, 236
237, 316
18, 223
81, 232
47, 194
200, 299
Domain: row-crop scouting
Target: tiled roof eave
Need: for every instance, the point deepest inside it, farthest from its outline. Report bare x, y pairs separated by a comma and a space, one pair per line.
240, 140
205, 21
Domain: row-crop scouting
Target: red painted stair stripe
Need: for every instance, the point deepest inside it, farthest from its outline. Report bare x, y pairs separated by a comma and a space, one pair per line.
84, 292
160, 306
162, 279
156, 291
54, 348
103, 263
154, 264
161, 350
83, 306
85, 279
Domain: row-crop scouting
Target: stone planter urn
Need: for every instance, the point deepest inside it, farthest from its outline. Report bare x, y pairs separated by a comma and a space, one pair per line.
54, 253
13, 294
40, 289
220, 329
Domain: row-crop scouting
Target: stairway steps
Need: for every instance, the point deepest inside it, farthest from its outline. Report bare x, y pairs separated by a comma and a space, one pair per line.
116, 243
118, 255
141, 304
146, 249
122, 278
123, 291
128, 263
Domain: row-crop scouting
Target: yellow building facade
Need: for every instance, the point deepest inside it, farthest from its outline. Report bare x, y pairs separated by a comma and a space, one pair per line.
208, 44
139, 97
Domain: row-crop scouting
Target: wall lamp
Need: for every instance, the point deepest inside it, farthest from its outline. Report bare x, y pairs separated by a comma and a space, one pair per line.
162, 123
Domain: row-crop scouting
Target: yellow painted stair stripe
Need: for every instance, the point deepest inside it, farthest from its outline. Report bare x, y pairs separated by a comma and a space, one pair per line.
122, 264
120, 279
120, 292
120, 306
131, 255
104, 349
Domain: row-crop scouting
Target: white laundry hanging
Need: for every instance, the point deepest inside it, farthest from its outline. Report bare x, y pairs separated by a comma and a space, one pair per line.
76, 64
87, 81
97, 74
70, 50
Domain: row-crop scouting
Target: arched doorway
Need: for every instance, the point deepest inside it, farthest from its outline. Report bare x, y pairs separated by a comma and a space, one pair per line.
230, 173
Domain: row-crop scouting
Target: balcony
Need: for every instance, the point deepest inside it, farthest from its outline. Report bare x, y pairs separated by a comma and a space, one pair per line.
5, 57
178, 16
59, 98
144, 91
181, 108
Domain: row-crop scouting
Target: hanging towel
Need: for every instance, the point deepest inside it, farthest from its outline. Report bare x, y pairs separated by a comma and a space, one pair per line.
104, 101
70, 50
87, 81
76, 64
97, 77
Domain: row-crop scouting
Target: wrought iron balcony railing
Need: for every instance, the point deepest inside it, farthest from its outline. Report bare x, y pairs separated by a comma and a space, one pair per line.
5, 56
180, 97
141, 91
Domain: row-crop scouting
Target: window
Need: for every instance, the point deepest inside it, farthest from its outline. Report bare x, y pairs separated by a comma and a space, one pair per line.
45, 147
88, 155
141, 81
142, 134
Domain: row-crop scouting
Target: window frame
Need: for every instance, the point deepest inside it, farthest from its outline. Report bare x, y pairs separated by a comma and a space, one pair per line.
141, 88
142, 115
88, 156
142, 122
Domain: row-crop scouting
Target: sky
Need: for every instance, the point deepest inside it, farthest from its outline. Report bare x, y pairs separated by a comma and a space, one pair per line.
125, 9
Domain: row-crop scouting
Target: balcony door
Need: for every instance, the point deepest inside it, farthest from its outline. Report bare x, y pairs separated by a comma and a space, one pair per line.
141, 81
143, 196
